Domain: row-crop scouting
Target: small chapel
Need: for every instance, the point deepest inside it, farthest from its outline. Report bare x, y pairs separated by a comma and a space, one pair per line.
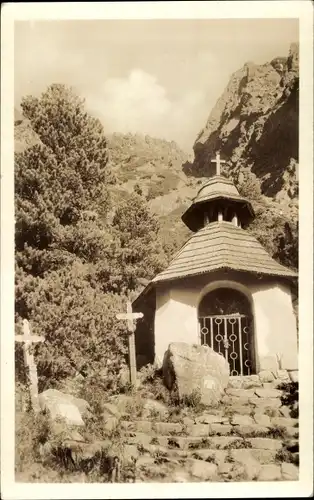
222, 289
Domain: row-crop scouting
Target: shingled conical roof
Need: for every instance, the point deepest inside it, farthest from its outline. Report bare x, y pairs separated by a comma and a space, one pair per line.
221, 245
217, 192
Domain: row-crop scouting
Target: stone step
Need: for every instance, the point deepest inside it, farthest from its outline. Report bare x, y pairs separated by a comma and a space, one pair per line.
239, 425
152, 427
263, 456
266, 391
216, 465
162, 464
243, 455
252, 401
274, 377
144, 441
244, 382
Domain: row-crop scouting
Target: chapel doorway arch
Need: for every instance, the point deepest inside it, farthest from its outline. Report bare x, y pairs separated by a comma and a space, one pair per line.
226, 324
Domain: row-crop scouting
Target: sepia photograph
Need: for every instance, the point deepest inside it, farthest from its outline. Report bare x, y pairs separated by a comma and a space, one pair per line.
156, 251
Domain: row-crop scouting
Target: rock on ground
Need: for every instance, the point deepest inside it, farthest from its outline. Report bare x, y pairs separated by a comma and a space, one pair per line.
290, 472
269, 472
202, 470
192, 367
65, 406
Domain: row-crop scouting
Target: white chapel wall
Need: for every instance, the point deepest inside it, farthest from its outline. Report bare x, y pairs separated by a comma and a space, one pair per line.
275, 324
275, 330
175, 318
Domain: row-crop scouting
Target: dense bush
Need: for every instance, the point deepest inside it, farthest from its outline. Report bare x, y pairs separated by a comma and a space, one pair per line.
75, 268
290, 397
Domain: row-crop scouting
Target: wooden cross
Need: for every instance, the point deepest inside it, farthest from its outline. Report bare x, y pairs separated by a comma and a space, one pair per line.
131, 317
218, 161
30, 364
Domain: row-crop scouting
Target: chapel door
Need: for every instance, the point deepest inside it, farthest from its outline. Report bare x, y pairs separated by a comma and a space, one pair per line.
230, 336
226, 324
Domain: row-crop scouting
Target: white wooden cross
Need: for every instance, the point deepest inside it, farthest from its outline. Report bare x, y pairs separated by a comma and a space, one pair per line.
218, 161
30, 364
131, 317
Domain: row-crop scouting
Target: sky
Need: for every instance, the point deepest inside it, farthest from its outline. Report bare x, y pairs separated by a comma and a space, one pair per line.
156, 77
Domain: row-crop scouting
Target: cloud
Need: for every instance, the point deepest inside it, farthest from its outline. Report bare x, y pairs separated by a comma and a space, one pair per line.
183, 66
139, 104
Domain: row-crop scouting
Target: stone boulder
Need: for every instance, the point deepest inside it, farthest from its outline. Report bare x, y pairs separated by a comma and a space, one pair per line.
64, 406
156, 407
190, 368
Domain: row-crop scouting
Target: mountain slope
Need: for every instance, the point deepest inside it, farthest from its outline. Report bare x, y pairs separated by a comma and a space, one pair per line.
255, 124
154, 168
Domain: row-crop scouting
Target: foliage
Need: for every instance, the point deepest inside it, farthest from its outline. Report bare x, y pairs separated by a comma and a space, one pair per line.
193, 400
153, 384
31, 431
74, 269
238, 444
148, 373
141, 253
202, 443
43, 456
156, 389
61, 185
277, 432
270, 412
275, 225
286, 456
78, 323
290, 397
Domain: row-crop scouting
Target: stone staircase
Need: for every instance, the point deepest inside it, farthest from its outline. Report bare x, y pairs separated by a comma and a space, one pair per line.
249, 437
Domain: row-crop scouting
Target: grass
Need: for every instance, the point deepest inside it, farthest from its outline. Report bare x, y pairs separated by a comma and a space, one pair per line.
229, 458
152, 384
287, 456
204, 443
271, 412
290, 397
34, 430
141, 448
42, 454
275, 432
175, 413
238, 444
173, 443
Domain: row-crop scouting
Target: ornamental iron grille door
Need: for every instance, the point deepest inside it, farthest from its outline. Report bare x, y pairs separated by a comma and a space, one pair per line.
226, 325
229, 335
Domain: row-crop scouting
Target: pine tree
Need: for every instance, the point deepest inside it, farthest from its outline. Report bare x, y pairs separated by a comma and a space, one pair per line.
61, 201
275, 225
141, 254
73, 268
57, 182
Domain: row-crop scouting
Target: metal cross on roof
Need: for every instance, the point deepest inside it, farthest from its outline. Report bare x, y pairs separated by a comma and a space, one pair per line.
218, 161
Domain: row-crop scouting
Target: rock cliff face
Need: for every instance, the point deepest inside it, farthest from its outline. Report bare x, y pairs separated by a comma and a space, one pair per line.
255, 125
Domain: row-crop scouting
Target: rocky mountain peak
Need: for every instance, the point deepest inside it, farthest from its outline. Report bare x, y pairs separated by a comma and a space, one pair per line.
254, 124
